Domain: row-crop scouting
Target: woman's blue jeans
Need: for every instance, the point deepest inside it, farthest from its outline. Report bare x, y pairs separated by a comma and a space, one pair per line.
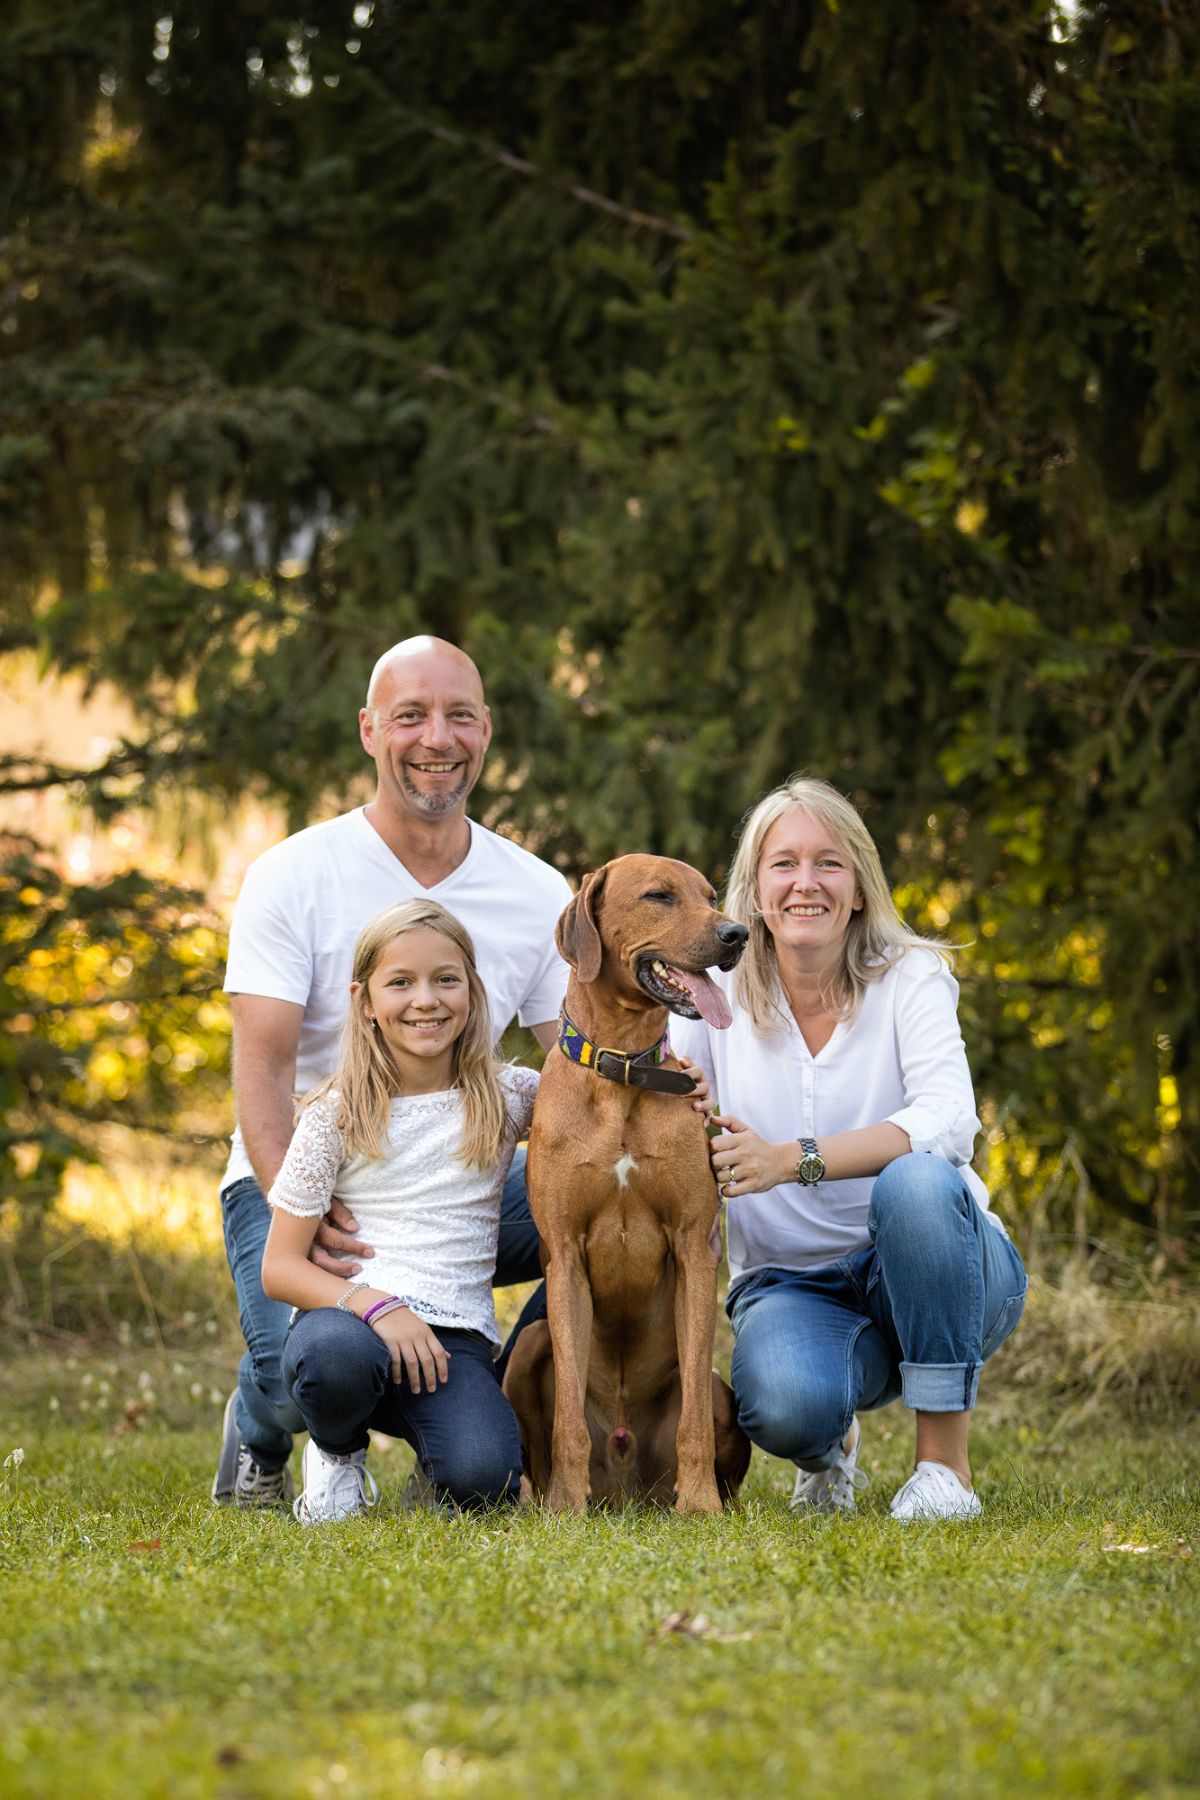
916, 1314
338, 1373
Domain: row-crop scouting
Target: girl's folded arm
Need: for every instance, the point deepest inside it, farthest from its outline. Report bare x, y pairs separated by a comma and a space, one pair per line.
288, 1275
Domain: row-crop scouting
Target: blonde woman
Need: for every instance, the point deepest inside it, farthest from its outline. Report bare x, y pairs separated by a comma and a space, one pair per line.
864, 1262
415, 1131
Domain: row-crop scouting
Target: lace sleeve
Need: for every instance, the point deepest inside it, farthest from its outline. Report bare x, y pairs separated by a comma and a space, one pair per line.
520, 1091
305, 1184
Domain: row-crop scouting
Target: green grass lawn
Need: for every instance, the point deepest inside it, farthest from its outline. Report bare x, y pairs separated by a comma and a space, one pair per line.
519, 1655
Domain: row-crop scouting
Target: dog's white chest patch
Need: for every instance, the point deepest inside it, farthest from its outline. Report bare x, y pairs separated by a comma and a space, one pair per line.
624, 1169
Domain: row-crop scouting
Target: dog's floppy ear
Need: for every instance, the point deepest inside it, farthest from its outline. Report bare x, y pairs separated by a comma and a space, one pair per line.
576, 935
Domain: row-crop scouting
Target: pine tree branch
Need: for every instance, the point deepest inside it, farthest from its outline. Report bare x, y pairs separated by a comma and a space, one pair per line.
18, 637
521, 165
43, 774
378, 343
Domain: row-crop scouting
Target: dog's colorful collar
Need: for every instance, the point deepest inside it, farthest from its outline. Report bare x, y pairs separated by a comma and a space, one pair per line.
631, 1068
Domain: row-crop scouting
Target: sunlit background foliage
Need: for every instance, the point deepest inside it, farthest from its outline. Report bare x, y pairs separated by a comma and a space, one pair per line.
793, 385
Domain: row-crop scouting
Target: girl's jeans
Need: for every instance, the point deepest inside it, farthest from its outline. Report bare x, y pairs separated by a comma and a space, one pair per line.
338, 1373
266, 1414
917, 1314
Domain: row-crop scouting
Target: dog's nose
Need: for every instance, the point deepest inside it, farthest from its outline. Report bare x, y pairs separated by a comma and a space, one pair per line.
732, 936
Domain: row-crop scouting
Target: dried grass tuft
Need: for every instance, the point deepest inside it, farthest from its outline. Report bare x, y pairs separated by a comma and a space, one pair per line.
1083, 1343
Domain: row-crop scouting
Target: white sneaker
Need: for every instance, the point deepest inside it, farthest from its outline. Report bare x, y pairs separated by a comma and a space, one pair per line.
335, 1487
831, 1490
935, 1492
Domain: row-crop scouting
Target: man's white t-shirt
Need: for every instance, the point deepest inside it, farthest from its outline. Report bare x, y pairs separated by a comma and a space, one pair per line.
304, 902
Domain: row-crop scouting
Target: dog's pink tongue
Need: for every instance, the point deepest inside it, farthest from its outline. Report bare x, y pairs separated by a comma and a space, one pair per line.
709, 1001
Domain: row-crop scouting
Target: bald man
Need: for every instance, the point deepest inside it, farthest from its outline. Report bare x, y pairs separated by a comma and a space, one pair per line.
427, 728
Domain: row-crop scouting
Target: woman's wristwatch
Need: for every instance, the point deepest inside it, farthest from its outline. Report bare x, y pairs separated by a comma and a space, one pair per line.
811, 1167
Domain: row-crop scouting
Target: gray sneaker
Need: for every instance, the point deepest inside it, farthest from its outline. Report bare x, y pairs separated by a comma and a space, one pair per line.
831, 1490
256, 1486
239, 1480
419, 1495
231, 1443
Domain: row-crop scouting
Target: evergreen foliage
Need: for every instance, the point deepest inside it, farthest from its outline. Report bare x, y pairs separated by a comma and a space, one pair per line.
794, 385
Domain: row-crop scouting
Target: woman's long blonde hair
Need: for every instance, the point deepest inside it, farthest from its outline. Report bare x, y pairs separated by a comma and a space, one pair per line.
876, 937
366, 1080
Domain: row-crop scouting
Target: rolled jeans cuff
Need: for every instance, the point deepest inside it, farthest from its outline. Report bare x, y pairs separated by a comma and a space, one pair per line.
940, 1387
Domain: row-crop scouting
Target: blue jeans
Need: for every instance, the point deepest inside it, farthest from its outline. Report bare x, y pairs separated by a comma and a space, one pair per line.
266, 1414
338, 1373
917, 1314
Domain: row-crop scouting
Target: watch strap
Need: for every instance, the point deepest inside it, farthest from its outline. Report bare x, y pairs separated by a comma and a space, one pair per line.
811, 1156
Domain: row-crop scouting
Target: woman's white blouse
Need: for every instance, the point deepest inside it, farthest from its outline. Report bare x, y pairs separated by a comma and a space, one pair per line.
432, 1224
901, 1061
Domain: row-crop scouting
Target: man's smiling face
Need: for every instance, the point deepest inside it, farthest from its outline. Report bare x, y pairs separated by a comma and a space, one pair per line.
427, 729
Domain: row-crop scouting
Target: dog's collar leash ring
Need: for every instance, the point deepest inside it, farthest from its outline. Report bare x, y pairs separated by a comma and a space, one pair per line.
632, 1069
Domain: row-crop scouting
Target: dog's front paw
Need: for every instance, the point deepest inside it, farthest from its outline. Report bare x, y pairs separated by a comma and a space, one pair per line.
568, 1496
699, 1497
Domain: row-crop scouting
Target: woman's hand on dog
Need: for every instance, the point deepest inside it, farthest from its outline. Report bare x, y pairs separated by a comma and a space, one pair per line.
415, 1349
702, 1100
744, 1162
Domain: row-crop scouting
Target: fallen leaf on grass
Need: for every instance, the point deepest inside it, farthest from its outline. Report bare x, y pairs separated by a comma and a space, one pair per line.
134, 1410
229, 1753
381, 1443
146, 1544
700, 1626
1051, 1450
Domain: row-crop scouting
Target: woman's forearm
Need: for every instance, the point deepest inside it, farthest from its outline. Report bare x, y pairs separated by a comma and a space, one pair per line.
847, 1154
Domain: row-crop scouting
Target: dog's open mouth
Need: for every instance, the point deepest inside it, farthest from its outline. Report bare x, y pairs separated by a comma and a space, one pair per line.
691, 995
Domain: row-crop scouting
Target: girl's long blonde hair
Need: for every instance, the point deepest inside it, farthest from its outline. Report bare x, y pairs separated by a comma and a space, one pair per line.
876, 937
366, 1080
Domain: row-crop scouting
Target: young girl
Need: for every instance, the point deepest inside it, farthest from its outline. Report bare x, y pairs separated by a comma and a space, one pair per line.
416, 1131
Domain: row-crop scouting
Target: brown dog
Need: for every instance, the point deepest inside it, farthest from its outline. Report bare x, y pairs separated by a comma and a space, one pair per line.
622, 1191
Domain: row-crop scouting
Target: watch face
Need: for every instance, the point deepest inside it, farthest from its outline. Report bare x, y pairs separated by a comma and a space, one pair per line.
812, 1168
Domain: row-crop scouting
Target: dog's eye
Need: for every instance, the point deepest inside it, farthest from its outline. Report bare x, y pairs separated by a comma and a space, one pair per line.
663, 899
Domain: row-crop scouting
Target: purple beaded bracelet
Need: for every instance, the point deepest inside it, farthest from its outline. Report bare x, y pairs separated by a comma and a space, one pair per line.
382, 1306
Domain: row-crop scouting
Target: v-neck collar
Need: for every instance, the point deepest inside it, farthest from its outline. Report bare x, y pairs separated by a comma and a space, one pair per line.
830, 1041
386, 850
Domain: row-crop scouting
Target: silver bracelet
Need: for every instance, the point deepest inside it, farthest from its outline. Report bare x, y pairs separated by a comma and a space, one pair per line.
352, 1288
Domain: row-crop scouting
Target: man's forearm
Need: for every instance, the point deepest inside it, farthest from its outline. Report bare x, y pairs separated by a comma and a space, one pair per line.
266, 1114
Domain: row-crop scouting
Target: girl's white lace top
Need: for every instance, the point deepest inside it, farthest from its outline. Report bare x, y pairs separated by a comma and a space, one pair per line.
432, 1224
